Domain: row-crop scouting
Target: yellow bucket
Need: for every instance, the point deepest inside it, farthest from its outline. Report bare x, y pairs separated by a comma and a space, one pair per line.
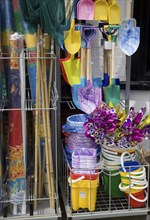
83, 193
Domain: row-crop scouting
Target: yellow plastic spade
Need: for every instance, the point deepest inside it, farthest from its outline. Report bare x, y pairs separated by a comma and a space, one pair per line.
109, 2
101, 10
73, 39
121, 113
114, 13
73, 70
145, 122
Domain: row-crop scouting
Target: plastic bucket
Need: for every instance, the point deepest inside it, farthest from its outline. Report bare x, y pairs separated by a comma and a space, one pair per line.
111, 181
118, 150
77, 120
84, 158
74, 132
83, 193
137, 200
92, 176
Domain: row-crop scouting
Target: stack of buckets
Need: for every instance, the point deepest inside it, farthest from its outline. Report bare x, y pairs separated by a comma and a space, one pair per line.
111, 161
82, 155
133, 181
75, 136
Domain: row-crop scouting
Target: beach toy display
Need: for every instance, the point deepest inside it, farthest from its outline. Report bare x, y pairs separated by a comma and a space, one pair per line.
133, 181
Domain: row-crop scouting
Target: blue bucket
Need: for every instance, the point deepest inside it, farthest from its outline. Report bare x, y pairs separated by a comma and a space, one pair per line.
130, 166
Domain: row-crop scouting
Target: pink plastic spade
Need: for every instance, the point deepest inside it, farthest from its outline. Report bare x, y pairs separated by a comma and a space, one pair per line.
85, 10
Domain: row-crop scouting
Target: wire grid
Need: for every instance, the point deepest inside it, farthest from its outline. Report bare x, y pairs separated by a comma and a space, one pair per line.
104, 203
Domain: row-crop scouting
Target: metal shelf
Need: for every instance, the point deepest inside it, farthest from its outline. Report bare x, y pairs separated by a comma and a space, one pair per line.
43, 211
106, 206
103, 208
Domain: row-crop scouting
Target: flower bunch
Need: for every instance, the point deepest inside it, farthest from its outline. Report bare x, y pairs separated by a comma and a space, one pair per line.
105, 124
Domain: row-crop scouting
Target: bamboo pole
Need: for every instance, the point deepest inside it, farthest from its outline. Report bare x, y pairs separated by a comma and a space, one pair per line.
52, 203
40, 185
47, 49
37, 123
46, 130
51, 69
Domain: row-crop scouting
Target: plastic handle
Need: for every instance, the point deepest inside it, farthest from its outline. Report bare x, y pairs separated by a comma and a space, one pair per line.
107, 151
124, 188
138, 173
122, 159
140, 187
107, 174
140, 200
115, 158
141, 183
111, 163
76, 180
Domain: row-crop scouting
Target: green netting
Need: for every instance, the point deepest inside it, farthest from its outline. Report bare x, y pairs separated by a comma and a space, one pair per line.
53, 16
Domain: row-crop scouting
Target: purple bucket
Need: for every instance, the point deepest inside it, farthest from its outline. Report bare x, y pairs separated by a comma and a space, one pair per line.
76, 137
84, 158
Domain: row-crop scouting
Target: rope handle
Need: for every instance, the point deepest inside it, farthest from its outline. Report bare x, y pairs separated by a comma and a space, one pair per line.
122, 159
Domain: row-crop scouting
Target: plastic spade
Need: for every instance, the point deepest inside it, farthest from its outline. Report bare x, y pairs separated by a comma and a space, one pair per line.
89, 97
101, 10
73, 39
85, 10
129, 38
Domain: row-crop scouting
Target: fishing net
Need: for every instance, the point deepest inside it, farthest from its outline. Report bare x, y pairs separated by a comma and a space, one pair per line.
53, 16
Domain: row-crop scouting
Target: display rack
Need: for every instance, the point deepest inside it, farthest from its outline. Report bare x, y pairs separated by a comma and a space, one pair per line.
106, 206
28, 105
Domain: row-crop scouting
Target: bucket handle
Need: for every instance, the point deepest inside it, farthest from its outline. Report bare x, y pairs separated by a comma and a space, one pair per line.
110, 152
138, 173
110, 162
143, 176
76, 180
113, 157
140, 200
139, 182
118, 149
107, 174
122, 157
124, 188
